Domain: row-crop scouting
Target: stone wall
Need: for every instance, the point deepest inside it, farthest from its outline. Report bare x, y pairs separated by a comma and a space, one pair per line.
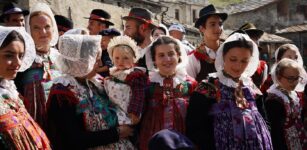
264, 18
78, 9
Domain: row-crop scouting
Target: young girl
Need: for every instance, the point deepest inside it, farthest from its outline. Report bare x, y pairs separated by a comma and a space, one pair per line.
222, 113
80, 115
169, 90
284, 108
18, 130
127, 83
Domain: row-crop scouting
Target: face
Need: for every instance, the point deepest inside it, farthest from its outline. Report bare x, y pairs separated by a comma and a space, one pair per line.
15, 20
289, 78
157, 33
105, 40
213, 28
291, 54
133, 30
236, 60
95, 26
176, 34
41, 30
166, 59
121, 59
10, 59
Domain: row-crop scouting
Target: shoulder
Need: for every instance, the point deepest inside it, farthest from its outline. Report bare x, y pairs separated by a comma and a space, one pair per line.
208, 87
136, 73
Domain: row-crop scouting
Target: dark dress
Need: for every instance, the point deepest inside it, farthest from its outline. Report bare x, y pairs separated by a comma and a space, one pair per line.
284, 114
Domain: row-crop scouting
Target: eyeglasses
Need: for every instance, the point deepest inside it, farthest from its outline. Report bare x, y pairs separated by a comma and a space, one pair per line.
292, 79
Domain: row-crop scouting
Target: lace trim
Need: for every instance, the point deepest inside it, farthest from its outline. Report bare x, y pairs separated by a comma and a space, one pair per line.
179, 77
273, 90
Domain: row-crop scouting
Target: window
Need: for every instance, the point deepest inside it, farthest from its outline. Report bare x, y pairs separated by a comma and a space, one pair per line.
194, 15
177, 14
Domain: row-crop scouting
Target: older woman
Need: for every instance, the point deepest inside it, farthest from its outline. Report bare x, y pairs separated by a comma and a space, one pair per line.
284, 107
222, 113
18, 130
34, 83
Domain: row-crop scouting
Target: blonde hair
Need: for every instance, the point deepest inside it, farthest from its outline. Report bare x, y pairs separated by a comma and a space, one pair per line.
125, 50
39, 13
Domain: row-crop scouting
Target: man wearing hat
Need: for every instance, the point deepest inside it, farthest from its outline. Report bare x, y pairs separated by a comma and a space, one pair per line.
201, 60
177, 31
106, 62
98, 21
64, 24
262, 71
138, 26
12, 15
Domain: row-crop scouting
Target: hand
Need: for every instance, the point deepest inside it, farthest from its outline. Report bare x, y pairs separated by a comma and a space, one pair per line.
134, 119
125, 131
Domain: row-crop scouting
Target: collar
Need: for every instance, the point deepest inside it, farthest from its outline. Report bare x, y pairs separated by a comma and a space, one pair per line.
179, 77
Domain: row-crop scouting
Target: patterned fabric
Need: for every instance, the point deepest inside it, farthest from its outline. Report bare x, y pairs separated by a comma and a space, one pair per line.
36, 83
17, 128
294, 132
97, 110
166, 108
234, 127
127, 90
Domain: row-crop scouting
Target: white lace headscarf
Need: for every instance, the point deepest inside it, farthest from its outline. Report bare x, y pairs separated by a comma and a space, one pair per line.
77, 31
78, 54
249, 70
286, 62
183, 56
42, 7
29, 54
301, 85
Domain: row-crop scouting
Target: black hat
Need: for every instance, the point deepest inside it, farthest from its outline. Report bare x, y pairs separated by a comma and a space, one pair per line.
206, 12
141, 14
109, 32
12, 8
63, 23
100, 15
167, 139
251, 30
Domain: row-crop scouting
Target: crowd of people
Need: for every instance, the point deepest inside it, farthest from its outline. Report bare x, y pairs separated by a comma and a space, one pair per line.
145, 87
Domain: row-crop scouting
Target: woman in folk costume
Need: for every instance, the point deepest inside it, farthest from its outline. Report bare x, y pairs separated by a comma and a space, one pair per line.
18, 130
284, 107
126, 84
80, 115
169, 90
222, 113
34, 83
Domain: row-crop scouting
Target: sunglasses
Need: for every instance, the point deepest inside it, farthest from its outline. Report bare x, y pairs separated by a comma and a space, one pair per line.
292, 79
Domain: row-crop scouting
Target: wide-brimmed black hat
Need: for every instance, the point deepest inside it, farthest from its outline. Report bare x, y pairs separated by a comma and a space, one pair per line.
109, 32
63, 23
12, 8
206, 12
251, 30
141, 14
100, 15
